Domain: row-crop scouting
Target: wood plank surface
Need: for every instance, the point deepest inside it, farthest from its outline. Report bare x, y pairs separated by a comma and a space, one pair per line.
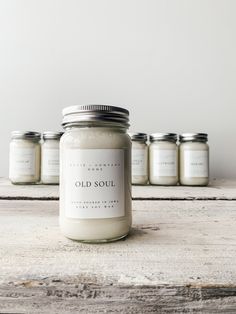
217, 190
180, 257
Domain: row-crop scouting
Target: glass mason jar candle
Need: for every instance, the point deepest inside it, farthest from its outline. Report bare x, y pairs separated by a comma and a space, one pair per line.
194, 159
163, 159
139, 158
24, 157
50, 157
95, 173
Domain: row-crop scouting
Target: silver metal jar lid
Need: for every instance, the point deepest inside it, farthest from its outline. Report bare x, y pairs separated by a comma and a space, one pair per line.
50, 135
170, 137
138, 137
29, 135
82, 114
197, 137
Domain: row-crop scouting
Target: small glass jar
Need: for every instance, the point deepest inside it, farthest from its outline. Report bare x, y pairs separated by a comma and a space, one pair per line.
95, 173
50, 157
163, 159
139, 158
24, 157
194, 159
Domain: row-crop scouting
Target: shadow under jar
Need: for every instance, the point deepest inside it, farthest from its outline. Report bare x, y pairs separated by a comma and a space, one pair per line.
95, 173
24, 157
194, 159
163, 159
139, 158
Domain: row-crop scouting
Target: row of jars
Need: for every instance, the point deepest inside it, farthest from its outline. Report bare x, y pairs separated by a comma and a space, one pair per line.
95, 168
163, 162
34, 157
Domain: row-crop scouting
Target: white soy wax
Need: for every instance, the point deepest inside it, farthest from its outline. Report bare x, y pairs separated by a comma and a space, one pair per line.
24, 157
50, 157
194, 159
139, 158
163, 159
95, 173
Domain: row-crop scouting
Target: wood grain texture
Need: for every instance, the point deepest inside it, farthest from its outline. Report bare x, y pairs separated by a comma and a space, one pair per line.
71, 295
179, 257
217, 190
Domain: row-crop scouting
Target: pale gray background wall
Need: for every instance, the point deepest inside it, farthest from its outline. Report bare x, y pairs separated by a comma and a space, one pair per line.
172, 63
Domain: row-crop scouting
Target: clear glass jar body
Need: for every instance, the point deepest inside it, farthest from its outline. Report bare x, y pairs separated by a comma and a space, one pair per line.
24, 161
94, 153
194, 163
163, 163
50, 161
139, 162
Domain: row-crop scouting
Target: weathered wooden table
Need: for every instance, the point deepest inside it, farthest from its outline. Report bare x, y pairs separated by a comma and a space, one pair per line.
179, 257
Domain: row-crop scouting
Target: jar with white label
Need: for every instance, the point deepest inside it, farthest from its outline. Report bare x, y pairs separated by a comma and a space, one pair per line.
194, 159
50, 157
163, 159
139, 158
24, 157
95, 173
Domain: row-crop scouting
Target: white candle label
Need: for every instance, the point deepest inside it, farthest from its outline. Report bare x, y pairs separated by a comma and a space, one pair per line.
139, 162
22, 162
50, 162
165, 163
94, 183
196, 163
